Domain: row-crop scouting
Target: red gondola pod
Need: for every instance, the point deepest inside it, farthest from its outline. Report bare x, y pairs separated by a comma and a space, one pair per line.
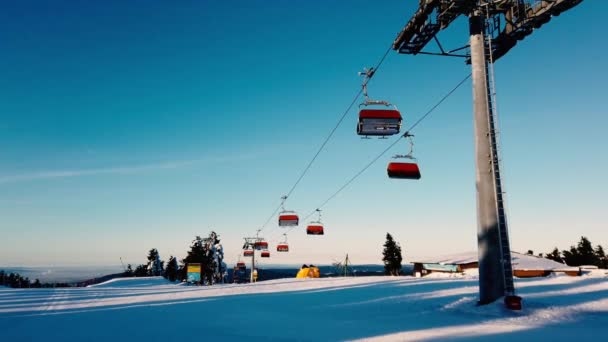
248, 253
241, 265
261, 245
316, 227
265, 254
283, 246
287, 218
403, 170
377, 121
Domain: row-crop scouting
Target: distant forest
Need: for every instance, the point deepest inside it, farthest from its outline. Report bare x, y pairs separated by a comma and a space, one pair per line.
15, 280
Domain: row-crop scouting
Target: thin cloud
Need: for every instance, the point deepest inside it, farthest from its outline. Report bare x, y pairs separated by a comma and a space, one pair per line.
46, 175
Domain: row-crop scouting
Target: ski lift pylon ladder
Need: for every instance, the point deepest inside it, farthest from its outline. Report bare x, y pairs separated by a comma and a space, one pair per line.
505, 246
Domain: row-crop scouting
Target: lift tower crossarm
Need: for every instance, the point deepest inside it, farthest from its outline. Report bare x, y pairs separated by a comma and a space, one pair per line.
517, 18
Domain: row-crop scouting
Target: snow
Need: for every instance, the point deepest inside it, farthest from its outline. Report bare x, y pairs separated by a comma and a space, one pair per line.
134, 282
531, 262
520, 261
327, 309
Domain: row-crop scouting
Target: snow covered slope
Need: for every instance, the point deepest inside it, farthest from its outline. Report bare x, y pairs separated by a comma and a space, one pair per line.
134, 282
326, 309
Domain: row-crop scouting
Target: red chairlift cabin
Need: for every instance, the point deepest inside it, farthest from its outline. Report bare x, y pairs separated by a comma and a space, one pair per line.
288, 219
282, 247
261, 245
379, 122
403, 170
241, 265
315, 228
265, 254
248, 253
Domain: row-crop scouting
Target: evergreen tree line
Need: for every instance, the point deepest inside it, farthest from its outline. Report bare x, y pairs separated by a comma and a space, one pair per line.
16, 281
580, 254
205, 251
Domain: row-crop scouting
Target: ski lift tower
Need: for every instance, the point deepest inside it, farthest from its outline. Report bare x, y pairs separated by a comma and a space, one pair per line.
495, 26
252, 242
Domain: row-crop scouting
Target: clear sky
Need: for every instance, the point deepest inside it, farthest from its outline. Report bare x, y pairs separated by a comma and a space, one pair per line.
130, 125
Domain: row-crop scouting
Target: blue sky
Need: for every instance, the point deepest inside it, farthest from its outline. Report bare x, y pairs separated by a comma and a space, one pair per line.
131, 125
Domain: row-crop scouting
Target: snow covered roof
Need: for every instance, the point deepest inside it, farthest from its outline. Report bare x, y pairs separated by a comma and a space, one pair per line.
520, 261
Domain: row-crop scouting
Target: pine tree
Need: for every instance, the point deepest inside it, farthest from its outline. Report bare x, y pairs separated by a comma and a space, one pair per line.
155, 265
217, 264
555, 255
172, 268
141, 271
571, 257
586, 252
196, 254
530, 252
391, 256
211, 259
602, 259
210, 254
129, 271
15, 280
181, 272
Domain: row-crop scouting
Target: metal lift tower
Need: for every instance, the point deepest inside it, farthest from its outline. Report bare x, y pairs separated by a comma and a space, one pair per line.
495, 26
251, 243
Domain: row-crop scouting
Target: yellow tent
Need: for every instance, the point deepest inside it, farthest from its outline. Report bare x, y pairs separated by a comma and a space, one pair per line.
309, 272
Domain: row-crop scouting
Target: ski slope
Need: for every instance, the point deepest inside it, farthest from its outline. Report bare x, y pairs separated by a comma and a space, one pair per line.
327, 309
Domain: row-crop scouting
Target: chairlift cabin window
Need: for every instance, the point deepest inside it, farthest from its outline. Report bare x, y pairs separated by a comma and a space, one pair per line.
266, 254
283, 247
379, 122
403, 170
288, 219
314, 229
